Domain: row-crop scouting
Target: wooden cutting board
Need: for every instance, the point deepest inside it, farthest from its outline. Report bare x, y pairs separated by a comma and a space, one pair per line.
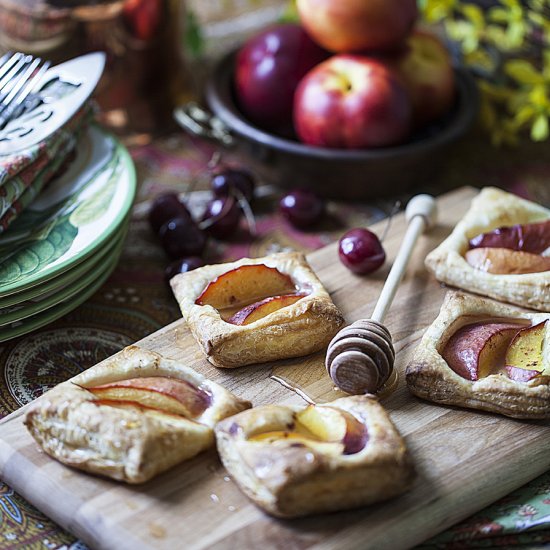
464, 459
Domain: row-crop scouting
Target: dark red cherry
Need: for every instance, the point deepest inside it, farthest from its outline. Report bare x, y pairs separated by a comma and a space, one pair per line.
302, 208
181, 237
361, 251
225, 181
183, 265
166, 207
222, 217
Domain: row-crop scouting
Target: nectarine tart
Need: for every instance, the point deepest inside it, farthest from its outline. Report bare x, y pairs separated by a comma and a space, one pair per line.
257, 310
131, 417
485, 355
500, 249
297, 461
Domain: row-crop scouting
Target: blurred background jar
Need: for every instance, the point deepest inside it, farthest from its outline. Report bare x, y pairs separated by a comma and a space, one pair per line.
146, 74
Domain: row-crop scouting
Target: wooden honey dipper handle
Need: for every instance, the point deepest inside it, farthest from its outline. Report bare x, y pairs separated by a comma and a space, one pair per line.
360, 357
420, 214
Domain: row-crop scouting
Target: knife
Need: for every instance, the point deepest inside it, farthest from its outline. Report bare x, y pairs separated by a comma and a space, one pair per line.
50, 110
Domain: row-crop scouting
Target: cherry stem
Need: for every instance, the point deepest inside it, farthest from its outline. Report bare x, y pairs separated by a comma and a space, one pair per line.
394, 210
247, 210
208, 222
215, 160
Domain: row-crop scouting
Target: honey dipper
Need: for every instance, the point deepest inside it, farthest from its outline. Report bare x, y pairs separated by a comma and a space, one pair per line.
360, 357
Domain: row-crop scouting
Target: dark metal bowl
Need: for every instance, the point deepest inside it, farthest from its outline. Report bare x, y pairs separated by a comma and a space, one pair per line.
347, 174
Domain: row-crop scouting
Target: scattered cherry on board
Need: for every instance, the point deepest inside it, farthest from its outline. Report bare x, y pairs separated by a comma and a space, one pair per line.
361, 251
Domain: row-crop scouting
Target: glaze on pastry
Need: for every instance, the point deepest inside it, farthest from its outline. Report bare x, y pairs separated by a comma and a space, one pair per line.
130, 417
297, 461
499, 249
257, 310
485, 355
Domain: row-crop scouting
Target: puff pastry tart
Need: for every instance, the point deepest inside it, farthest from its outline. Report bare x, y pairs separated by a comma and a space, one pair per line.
500, 249
294, 462
257, 310
485, 355
131, 417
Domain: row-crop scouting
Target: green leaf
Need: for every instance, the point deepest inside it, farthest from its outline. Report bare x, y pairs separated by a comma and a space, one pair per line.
474, 14
465, 33
511, 4
193, 37
515, 34
538, 96
290, 14
539, 130
436, 10
480, 58
499, 15
523, 72
525, 114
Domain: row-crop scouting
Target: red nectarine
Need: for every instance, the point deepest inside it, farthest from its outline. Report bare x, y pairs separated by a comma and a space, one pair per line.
357, 25
351, 102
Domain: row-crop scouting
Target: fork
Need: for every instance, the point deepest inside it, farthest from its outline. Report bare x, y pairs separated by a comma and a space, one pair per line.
20, 75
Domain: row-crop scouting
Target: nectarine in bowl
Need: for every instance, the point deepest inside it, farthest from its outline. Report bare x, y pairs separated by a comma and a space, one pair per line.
338, 173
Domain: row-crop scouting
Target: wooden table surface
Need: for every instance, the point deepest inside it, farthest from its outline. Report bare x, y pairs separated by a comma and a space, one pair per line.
464, 459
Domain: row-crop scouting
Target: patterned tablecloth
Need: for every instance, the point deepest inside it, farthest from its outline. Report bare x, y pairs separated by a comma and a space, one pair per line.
136, 301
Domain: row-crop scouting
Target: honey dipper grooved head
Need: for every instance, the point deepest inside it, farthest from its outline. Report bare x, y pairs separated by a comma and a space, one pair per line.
360, 357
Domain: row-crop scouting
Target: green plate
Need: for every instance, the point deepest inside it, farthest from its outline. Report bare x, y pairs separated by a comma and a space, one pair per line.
69, 303
41, 291
77, 215
14, 314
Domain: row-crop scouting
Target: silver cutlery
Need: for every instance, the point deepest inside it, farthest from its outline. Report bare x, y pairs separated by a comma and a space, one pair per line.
37, 99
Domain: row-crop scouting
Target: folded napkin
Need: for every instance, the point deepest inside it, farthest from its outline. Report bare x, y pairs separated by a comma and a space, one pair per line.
24, 175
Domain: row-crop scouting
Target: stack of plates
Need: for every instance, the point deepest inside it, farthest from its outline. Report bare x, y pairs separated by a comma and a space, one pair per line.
63, 247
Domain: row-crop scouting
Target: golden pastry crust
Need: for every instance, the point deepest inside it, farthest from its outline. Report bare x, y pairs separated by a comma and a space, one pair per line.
131, 444
430, 377
290, 480
298, 329
491, 209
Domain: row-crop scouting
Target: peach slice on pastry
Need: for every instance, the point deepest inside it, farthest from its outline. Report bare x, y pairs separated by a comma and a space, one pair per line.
498, 249
525, 354
157, 392
503, 261
476, 350
481, 354
528, 237
297, 461
244, 285
130, 417
257, 310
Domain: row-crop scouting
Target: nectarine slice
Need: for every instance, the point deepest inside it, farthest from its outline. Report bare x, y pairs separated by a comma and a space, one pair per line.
245, 285
530, 237
157, 392
331, 424
129, 405
525, 350
261, 309
478, 350
333, 448
520, 375
503, 261
326, 429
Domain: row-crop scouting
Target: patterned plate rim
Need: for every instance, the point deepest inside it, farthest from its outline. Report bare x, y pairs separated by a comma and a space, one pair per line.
86, 252
62, 294
67, 277
52, 314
